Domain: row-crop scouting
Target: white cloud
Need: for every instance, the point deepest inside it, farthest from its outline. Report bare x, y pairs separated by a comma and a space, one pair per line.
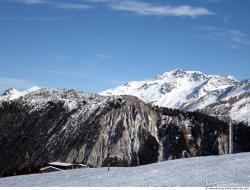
233, 37
28, 1
142, 8
34, 1
55, 3
138, 7
32, 19
72, 6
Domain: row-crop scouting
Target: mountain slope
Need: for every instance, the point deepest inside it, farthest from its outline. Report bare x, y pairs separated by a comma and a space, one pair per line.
185, 90
236, 107
66, 125
226, 170
12, 94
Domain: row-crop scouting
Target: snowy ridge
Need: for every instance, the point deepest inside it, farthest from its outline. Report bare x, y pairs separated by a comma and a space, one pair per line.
37, 98
226, 170
66, 125
236, 107
185, 90
12, 94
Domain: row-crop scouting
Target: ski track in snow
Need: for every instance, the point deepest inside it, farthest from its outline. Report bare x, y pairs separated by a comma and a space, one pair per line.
226, 170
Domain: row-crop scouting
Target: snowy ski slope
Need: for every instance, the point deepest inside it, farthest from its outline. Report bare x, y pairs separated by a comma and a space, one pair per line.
226, 170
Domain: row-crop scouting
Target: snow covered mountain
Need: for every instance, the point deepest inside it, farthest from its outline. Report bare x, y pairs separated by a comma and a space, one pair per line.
48, 125
189, 91
12, 94
226, 170
237, 107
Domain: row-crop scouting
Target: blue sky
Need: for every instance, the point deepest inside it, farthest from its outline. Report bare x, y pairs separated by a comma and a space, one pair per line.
93, 45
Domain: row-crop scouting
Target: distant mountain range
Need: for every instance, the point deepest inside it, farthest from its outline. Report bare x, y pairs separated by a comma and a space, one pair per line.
41, 125
219, 96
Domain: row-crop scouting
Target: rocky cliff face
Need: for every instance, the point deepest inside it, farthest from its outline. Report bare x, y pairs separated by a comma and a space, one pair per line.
70, 126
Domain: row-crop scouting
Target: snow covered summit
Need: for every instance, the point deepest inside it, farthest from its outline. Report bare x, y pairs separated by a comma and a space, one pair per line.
185, 90
12, 94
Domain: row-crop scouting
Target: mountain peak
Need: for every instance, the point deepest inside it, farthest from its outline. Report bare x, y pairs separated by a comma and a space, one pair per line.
231, 77
178, 72
186, 90
10, 91
11, 94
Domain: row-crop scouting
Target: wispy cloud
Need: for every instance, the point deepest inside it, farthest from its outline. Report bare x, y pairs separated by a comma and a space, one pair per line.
103, 56
97, 77
75, 74
33, 1
215, 1
227, 18
232, 37
20, 84
116, 82
57, 4
143, 8
138, 7
30, 2
72, 6
24, 19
